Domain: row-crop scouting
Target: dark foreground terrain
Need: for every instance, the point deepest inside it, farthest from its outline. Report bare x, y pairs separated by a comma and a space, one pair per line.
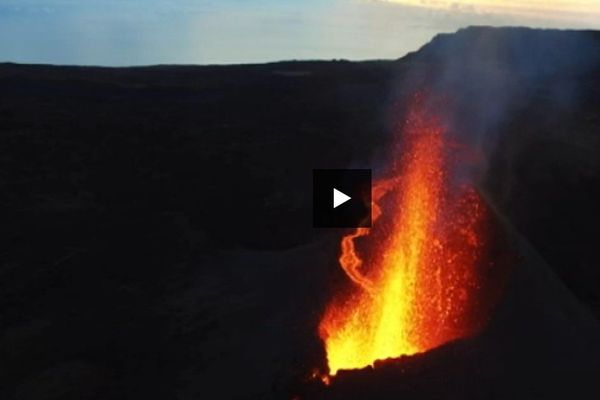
156, 222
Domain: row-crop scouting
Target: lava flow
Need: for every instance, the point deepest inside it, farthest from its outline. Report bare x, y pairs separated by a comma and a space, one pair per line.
414, 280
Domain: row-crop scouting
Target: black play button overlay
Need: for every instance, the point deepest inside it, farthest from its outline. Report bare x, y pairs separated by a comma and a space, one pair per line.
341, 198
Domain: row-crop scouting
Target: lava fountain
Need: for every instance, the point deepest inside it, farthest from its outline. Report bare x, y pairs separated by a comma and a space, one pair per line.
414, 274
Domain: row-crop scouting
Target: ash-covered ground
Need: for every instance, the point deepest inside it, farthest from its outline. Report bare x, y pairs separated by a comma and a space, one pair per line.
157, 238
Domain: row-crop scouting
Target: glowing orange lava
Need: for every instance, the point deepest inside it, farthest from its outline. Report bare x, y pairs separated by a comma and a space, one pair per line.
417, 287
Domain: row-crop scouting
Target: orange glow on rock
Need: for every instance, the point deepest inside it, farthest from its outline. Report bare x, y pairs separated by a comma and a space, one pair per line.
414, 272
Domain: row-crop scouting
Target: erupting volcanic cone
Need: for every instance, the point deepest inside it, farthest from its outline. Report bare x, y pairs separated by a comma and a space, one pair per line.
416, 283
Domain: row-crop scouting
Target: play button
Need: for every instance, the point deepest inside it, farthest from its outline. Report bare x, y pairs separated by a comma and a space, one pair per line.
351, 189
339, 198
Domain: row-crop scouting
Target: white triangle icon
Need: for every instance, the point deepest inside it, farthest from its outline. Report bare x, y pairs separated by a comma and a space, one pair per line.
339, 198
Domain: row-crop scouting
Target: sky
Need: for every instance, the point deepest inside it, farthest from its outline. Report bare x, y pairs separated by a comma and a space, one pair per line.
143, 32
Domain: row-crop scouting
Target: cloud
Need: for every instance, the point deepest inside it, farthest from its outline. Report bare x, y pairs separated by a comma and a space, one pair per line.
571, 13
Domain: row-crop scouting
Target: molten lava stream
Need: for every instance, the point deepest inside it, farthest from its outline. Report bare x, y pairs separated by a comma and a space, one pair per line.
417, 288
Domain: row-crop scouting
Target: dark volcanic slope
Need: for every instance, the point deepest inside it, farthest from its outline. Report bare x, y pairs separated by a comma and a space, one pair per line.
186, 139
156, 237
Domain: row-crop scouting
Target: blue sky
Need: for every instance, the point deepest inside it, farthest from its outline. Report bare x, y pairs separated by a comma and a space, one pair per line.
140, 32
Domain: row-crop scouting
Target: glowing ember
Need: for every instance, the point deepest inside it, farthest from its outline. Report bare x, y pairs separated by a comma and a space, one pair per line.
418, 288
